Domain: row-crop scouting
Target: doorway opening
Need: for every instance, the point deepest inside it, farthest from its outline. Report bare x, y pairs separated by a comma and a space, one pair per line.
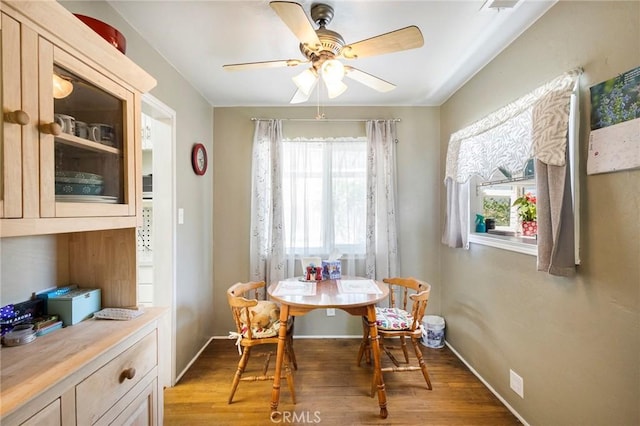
157, 234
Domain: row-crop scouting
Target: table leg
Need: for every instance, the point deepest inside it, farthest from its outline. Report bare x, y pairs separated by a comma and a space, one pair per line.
282, 337
375, 349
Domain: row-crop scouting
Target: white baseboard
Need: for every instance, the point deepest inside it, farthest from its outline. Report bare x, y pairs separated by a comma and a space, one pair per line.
484, 382
193, 359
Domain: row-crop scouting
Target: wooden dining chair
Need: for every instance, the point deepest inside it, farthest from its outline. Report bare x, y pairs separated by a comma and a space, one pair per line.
257, 324
402, 320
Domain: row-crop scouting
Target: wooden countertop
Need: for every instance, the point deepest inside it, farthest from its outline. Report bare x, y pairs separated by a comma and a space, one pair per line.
28, 371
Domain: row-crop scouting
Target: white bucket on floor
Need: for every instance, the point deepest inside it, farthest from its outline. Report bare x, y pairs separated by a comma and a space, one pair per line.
434, 331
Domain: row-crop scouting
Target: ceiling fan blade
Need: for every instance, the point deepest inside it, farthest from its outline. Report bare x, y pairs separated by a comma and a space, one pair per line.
299, 97
293, 15
368, 80
264, 64
395, 41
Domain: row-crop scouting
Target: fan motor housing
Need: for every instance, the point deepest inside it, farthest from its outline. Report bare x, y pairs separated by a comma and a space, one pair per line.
331, 42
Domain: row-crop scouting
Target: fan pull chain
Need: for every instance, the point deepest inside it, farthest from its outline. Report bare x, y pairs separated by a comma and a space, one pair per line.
319, 116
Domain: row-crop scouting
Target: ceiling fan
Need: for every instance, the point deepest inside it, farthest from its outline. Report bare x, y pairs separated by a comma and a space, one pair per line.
323, 47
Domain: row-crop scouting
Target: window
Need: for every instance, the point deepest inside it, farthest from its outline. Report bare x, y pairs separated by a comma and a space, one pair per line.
492, 203
493, 198
324, 195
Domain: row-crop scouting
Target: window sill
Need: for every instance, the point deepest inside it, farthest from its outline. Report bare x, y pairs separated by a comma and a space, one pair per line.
525, 245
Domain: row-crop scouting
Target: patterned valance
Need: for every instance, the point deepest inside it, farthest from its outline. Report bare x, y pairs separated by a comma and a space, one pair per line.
532, 126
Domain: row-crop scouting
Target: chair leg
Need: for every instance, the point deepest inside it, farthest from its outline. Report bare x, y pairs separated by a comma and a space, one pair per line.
403, 344
364, 344
241, 366
423, 365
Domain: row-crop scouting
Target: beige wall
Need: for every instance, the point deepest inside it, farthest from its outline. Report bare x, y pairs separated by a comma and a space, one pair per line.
418, 200
576, 341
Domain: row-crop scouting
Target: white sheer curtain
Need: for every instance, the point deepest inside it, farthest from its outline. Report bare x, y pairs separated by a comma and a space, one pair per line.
294, 214
382, 239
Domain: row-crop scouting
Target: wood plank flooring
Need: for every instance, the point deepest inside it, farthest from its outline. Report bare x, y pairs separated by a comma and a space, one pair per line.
332, 390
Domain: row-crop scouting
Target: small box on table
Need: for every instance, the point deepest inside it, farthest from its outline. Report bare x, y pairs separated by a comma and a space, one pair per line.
331, 270
75, 305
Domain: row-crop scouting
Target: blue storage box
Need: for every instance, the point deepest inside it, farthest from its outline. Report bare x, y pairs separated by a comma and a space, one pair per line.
331, 270
75, 305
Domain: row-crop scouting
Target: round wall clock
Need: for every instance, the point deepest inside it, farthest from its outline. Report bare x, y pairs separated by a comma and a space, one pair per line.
199, 159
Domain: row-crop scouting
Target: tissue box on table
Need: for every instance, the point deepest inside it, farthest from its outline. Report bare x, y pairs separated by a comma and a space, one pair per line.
331, 269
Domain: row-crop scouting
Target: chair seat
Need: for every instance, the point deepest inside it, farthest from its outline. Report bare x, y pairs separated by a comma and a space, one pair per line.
393, 319
270, 330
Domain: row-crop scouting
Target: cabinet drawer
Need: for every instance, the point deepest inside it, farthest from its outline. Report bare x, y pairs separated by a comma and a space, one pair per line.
51, 415
96, 394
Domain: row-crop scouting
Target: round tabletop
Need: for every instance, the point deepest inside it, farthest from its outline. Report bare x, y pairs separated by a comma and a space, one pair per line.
348, 292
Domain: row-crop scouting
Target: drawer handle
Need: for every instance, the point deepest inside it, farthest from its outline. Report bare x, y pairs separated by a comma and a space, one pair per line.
129, 374
17, 117
51, 128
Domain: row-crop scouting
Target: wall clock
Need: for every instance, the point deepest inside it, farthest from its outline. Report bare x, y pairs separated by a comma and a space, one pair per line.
199, 159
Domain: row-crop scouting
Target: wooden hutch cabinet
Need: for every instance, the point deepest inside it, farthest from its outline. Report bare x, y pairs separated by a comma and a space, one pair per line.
70, 167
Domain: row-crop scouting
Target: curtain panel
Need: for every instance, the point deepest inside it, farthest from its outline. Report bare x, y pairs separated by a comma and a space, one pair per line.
382, 239
266, 247
536, 125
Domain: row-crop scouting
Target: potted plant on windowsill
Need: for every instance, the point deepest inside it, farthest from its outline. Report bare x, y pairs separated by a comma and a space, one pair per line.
526, 206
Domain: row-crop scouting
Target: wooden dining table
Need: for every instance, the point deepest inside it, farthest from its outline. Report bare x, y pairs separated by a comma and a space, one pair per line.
298, 298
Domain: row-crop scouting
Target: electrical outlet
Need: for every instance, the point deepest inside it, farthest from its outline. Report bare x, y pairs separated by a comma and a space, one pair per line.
331, 312
517, 383
180, 216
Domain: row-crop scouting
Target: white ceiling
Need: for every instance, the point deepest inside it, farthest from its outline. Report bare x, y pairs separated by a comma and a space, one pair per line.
198, 37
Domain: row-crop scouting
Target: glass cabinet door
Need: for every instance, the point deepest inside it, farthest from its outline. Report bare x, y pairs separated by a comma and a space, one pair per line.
91, 167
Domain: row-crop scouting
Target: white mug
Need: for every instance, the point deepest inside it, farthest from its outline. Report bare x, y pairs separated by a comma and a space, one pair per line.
82, 129
67, 122
102, 133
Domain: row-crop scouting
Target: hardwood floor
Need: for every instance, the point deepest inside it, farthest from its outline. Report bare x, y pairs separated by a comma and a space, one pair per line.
332, 390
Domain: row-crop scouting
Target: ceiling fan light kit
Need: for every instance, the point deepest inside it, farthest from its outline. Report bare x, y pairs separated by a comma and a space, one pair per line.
306, 81
323, 47
335, 88
332, 70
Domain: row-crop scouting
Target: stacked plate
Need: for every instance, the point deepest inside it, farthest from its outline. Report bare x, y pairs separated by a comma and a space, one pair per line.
78, 183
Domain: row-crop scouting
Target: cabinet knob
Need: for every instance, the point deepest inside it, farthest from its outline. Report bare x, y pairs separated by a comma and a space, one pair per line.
18, 117
51, 128
129, 373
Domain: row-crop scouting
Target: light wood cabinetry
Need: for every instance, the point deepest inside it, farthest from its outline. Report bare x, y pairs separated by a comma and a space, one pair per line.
94, 372
73, 163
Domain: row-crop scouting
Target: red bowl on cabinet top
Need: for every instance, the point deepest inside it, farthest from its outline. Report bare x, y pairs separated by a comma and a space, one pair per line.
106, 31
